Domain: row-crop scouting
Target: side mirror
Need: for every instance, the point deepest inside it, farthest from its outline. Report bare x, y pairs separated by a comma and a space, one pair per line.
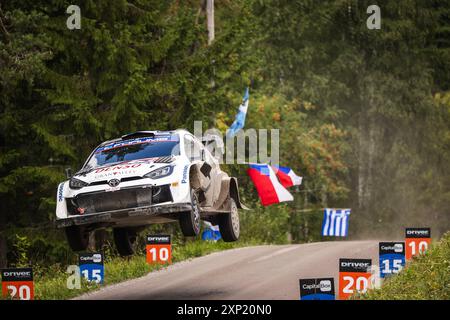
69, 173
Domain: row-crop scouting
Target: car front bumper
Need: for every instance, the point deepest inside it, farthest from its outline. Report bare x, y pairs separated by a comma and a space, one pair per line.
111, 217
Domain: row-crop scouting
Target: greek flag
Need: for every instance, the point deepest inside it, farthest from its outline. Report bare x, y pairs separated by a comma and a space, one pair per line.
335, 222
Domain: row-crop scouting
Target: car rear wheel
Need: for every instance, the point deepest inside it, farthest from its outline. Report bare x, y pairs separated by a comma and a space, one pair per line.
124, 238
229, 223
77, 237
190, 221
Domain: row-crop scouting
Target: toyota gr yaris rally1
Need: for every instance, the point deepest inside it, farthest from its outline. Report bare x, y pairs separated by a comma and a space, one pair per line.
144, 178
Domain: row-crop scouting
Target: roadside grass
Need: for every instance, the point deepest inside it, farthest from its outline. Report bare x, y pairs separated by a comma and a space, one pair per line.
424, 278
52, 284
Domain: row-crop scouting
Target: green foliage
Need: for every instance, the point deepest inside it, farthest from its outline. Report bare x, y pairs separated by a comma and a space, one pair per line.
363, 114
265, 225
376, 88
425, 278
21, 246
52, 284
133, 65
40, 248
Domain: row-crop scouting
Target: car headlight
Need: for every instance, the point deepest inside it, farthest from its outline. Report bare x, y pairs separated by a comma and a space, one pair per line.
160, 173
77, 184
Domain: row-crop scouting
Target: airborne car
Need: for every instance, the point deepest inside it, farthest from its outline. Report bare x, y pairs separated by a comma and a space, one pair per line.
144, 178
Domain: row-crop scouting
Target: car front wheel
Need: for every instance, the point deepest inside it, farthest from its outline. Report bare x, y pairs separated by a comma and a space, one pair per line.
229, 223
190, 221
77, 237
124, 238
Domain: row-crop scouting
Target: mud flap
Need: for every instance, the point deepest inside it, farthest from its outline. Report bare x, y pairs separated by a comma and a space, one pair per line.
229, 188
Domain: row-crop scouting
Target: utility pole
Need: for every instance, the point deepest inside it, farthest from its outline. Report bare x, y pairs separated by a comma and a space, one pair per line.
210, 20
210, 27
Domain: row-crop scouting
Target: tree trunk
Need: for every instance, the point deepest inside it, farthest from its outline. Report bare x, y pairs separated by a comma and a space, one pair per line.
365, 161
3, 252
100, 239
91, 245
305, 222
371, 148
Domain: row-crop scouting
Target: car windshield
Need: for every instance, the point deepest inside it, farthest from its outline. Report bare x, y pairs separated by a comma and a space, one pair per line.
135, 149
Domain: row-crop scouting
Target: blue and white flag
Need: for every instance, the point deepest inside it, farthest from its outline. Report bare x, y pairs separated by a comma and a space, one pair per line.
239, 121
335, 222
211, 232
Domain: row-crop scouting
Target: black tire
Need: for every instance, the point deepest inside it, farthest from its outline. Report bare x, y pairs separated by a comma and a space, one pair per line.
229, 223
77, 237
124, 238
190, 222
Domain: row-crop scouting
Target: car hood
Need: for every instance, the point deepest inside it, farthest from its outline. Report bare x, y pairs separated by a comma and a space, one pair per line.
125, 169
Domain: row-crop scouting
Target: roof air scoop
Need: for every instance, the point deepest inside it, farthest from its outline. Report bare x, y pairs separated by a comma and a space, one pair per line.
138, 134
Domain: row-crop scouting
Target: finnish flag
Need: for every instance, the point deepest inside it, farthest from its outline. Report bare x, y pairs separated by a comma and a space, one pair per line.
335, 222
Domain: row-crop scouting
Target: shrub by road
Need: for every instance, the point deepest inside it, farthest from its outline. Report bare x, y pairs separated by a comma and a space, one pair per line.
425, 278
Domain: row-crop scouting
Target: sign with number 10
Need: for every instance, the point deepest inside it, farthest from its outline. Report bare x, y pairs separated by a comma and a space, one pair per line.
392, 258
354, 276
91, 266
417, 241
159, 249
18, 283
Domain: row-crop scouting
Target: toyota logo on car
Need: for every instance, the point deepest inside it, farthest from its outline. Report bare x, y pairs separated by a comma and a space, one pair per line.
113, 182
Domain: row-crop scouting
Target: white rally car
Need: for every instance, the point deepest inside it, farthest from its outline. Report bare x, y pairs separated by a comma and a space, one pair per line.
143, 178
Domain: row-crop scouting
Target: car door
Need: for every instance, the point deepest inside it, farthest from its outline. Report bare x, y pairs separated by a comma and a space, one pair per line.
216, 175
206, 169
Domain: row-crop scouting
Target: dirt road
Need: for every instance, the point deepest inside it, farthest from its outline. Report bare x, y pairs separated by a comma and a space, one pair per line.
261, 272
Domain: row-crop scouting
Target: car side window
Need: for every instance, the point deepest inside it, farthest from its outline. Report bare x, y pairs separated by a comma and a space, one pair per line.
192, 149
209, 158
188, 147
197, 151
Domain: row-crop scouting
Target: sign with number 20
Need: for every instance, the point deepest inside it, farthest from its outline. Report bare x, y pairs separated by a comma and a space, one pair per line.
18, 283
354, 276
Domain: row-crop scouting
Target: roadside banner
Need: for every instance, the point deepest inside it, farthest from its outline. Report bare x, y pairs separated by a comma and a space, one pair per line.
92, 266
317, 289
392, 258
417, 241
159, 249
354, 276
18, 283
335, 222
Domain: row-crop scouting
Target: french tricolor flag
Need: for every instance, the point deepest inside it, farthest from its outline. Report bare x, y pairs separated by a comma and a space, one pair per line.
270, 191
287, 176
